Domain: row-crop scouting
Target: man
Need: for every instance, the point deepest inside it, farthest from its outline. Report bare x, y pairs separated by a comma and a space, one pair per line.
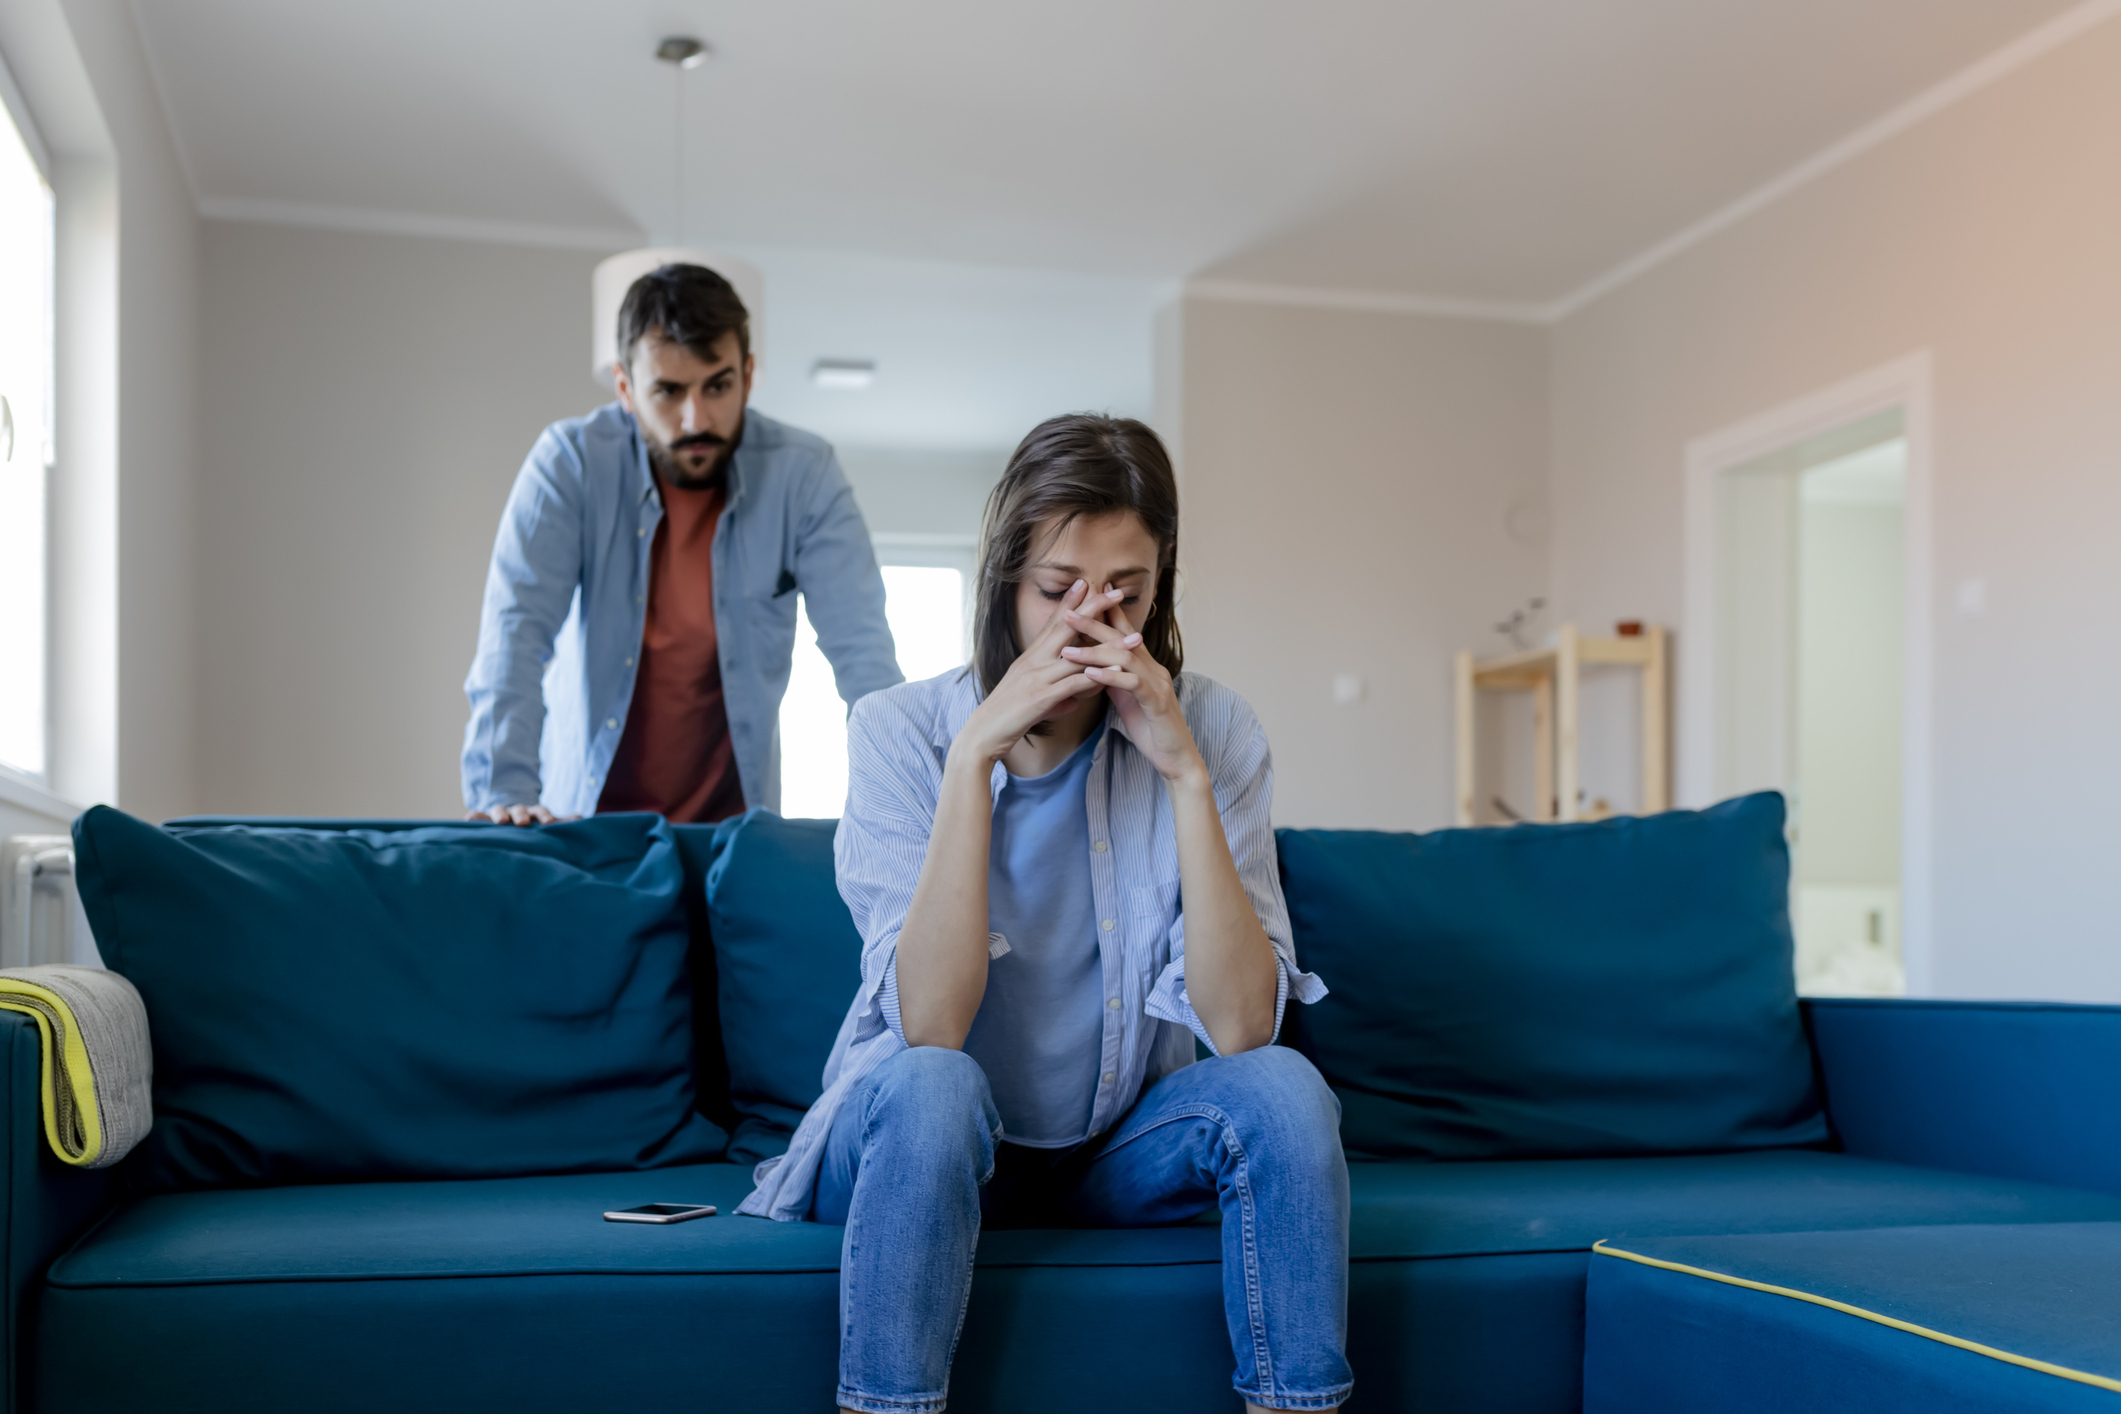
640, 606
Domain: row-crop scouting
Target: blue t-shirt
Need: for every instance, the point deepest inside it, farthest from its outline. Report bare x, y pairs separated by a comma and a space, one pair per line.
1040, 1026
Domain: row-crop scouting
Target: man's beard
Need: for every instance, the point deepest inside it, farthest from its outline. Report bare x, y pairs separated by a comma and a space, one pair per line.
676, 473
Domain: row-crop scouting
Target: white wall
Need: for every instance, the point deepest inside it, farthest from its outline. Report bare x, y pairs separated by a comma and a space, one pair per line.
1986, 234
969, 357
1349, 480
921, 494
123, 498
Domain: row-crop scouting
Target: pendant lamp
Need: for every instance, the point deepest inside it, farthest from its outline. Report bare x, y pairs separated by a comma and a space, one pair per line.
616, 275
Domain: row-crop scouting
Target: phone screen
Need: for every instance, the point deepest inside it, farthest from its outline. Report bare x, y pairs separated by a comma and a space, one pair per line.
664, 1210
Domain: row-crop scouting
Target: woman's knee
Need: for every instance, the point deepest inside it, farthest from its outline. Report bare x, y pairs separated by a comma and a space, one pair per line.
934, 1092
1287, 1101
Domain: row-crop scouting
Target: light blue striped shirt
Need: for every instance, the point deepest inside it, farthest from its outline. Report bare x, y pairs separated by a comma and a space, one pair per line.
897, 742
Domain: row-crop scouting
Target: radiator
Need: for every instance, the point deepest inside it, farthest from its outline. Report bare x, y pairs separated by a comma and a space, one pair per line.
40, 914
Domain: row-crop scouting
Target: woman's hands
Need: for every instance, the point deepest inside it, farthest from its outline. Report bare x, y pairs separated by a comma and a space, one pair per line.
1139, 687
1039, 684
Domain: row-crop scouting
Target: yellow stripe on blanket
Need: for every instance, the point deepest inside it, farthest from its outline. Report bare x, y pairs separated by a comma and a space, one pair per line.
96, 1065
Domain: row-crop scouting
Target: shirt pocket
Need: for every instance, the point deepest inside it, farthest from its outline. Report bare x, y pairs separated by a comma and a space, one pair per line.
1152, 907
765, 578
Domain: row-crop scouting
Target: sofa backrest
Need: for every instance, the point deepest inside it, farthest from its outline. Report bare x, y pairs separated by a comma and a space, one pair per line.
1588, 990
373, 1000
1607, 989
1615, 988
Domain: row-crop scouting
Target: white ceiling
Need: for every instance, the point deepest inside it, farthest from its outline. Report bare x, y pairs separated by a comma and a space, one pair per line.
967, 356
1506, 150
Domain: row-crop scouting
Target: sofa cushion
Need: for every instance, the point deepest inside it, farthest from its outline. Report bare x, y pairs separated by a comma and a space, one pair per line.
787, 961
550, 1224
1459, 1210
1466, 1289
1915, 1319
1607, 989
515, 1294
1466, 1283
439, 1001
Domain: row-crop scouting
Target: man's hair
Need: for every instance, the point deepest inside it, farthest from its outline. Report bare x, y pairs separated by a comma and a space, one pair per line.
689, 305
1079, 464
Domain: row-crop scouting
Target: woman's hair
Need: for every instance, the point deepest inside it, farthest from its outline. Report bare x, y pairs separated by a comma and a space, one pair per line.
1079, 464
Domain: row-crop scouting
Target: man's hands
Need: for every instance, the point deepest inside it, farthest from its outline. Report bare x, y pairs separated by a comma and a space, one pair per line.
1039, 684
1139, 687
519, 815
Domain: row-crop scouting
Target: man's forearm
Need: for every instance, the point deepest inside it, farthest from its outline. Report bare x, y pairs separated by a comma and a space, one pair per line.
500, 763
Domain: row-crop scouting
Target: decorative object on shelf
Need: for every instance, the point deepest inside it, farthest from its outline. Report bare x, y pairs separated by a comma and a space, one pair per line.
1553, 676
1518, 625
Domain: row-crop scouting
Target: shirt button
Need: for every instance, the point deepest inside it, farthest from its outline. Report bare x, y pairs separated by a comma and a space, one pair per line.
629, 662
1099, 846
1112, 1003
640, 598
1108, 925
611, 721
641, 534
1110, 1077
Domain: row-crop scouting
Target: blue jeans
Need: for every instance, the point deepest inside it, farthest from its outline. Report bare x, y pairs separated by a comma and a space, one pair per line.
907, 1169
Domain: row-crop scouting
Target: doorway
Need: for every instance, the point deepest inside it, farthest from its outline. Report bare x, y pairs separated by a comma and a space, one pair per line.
1807, 628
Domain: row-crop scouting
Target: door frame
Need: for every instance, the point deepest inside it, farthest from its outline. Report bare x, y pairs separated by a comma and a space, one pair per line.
1905, 383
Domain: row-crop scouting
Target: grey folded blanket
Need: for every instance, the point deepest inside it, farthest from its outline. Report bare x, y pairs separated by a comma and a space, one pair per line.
98, 1067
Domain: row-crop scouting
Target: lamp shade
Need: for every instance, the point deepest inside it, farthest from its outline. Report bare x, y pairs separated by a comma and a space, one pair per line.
616, 276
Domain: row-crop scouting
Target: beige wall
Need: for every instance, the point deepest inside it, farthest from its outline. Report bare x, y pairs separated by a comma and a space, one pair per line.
1347, 479
1987, 234
368, 401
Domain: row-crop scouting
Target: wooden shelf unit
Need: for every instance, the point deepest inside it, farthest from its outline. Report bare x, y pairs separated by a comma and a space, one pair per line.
1554, 678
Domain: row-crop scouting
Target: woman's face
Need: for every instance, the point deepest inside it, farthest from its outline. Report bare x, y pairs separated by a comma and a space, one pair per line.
1109, 551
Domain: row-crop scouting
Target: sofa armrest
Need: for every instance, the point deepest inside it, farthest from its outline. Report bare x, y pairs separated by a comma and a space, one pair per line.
48, 1203
2026, 1090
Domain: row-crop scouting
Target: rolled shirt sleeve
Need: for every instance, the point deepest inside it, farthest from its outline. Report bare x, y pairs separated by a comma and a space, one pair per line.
530, 587
1241, 768
894, 777
843, 589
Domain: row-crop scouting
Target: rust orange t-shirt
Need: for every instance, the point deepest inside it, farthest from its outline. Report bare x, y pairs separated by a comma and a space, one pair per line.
675, 757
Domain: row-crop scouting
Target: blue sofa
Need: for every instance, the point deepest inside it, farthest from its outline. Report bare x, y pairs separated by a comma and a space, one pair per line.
1946, 1123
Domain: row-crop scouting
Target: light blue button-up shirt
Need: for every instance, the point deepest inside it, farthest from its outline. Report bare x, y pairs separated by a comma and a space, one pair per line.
567, 595
897, 742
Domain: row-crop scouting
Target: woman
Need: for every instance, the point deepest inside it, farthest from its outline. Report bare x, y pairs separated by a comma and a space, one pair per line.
1018, 836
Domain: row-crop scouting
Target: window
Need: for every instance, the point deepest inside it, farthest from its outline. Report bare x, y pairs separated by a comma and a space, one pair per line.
925, 604
25, 446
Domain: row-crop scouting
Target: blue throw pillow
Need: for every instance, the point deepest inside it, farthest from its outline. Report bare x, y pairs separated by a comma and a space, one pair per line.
787, 960
1604, 989
451, 1001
